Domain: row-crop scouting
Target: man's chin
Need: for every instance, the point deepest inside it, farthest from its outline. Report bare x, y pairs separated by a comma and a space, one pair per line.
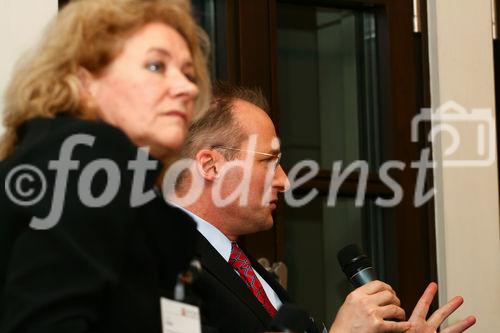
269, 224
263, 225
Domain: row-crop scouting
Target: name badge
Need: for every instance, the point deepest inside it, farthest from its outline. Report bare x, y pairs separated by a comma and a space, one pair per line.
177, 317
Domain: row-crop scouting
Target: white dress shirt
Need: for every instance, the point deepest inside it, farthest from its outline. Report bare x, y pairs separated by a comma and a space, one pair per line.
223, 245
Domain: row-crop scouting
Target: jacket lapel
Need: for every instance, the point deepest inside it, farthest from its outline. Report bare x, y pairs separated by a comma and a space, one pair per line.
214, 264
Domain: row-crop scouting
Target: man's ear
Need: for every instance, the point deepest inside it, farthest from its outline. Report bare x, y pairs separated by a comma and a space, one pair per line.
207, 163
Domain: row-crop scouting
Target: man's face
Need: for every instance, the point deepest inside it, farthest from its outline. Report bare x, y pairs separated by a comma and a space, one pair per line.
264, 175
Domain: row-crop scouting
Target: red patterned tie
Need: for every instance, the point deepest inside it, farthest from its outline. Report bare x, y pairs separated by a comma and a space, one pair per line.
240, 262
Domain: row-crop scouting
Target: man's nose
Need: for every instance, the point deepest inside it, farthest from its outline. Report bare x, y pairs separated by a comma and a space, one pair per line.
281, 181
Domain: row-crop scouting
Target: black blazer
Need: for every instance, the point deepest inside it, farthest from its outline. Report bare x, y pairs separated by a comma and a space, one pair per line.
227, 305
99, 269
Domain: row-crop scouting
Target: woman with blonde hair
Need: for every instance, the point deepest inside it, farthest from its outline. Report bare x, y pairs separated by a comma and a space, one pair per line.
87, 244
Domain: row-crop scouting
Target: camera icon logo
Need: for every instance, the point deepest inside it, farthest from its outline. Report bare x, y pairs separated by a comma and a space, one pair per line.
468, 136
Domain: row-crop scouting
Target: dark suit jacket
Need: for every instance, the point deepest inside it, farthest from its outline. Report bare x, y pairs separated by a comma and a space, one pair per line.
99, 269
227, 305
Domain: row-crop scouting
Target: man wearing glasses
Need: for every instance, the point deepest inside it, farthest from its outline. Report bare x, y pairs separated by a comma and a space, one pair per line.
234, 182
236, 155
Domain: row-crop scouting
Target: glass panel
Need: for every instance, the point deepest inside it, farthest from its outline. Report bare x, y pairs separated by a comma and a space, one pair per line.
314, 234
204, 11
329, 111
327, 81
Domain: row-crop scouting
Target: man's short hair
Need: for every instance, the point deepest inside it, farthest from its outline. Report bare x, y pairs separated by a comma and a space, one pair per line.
219, 127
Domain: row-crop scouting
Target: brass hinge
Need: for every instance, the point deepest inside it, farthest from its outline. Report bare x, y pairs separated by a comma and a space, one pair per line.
417, 16
494, 19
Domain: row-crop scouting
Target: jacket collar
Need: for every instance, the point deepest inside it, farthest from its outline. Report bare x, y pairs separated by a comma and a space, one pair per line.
214, 264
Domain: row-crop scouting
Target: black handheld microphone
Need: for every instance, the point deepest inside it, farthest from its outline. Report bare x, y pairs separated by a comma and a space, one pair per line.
291, 319
356, 265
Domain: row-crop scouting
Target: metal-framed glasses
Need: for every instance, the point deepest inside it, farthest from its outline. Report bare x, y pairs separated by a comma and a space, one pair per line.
276, 158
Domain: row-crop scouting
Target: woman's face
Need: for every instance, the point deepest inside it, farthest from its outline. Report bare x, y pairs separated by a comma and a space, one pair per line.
149, 90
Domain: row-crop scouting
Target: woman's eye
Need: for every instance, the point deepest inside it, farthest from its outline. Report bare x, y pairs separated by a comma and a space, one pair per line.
157, 67
191, 77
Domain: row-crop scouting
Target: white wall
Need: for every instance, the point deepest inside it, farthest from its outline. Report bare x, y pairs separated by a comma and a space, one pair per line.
467, 212
21, 22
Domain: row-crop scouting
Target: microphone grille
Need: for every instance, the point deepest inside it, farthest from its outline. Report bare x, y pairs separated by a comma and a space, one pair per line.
352, 259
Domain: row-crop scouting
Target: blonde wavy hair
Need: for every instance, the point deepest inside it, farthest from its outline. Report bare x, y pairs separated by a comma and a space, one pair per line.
90, 34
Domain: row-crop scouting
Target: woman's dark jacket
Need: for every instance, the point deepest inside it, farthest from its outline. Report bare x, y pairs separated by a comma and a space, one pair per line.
99, 269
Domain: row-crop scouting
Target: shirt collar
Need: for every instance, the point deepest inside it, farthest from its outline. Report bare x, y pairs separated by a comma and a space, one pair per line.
214, 236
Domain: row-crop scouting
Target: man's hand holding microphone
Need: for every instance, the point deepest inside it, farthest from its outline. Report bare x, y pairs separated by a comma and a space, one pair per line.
374, 307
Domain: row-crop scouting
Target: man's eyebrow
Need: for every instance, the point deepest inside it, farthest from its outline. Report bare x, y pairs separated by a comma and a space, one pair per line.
275, 152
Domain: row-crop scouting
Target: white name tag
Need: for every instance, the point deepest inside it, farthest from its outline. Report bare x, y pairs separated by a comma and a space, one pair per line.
177, 317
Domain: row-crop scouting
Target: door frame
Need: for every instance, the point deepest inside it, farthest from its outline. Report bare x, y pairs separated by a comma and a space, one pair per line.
250, 47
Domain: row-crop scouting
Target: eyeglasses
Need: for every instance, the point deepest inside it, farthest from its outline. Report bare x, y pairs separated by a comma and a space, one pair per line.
276, 157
